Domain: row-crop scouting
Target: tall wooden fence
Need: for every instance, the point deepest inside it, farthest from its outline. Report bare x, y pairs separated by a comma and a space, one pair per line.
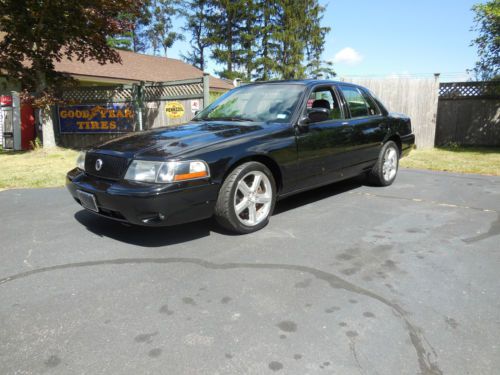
469, 114
417, 98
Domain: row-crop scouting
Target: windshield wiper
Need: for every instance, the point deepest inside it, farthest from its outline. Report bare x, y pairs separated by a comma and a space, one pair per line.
227, 118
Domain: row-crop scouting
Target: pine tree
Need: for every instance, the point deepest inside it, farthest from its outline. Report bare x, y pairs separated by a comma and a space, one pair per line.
265, 63
158, 33
132, 38
225, 24
290, 35
197, 13
249, 35
315, 44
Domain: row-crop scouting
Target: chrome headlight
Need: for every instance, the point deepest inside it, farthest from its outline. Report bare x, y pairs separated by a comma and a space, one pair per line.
166, 172
80, 160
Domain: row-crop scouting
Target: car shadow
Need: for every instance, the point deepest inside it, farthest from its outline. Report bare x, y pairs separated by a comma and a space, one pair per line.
144, 236
311, 196
164, 236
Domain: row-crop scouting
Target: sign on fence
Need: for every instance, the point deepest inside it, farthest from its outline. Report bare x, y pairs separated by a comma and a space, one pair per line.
107, 118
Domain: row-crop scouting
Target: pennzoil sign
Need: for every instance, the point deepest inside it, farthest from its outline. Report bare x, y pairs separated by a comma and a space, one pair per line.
109, 118
174, 110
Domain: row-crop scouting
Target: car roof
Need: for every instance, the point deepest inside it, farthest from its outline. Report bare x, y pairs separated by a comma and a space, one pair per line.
305, 82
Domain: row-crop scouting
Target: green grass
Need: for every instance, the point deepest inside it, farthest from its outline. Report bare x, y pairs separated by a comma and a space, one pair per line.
35, 169
41, 168
456, 159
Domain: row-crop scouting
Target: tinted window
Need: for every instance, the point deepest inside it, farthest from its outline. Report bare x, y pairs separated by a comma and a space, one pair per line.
325, 98
356, 101
372, 106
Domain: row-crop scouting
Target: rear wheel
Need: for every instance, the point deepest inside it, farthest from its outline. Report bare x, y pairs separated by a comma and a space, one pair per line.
385, 170
246, 199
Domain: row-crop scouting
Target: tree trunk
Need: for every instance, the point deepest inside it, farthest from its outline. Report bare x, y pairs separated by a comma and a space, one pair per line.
48, 135
49, 138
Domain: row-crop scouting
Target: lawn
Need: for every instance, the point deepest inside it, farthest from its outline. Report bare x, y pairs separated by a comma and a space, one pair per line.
456, 159
41, 168
33, 169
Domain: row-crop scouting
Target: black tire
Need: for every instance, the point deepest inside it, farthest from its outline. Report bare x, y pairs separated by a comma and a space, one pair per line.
376, 176
225, 210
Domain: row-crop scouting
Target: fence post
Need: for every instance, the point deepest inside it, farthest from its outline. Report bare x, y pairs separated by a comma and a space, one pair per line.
16, 120
206, 89
138, 103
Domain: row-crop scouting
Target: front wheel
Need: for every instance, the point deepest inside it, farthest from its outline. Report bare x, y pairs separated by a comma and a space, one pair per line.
246, 199
385, 170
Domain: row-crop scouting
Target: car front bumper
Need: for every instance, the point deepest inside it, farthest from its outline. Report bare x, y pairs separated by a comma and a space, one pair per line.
146, 204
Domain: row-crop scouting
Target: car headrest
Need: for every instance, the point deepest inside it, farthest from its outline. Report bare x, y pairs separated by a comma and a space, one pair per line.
321, 103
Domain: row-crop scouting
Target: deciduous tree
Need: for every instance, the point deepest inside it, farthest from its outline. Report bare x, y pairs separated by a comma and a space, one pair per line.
40, 32
487, 23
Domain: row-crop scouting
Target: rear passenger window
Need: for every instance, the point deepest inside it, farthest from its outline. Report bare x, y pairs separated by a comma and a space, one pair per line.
372, 106
357, 102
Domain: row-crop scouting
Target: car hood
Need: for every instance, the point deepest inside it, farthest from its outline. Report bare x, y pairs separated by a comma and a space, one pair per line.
174, 141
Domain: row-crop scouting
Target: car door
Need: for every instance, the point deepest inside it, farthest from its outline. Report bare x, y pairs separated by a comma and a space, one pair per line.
368, 125
323, 147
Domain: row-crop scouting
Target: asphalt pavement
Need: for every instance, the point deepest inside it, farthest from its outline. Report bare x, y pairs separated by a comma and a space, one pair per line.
346, 279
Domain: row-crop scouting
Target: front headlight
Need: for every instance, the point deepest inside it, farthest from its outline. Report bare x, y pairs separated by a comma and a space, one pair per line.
166, 172
80, 160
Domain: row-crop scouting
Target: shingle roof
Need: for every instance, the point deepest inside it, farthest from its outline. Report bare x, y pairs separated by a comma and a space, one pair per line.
138, 67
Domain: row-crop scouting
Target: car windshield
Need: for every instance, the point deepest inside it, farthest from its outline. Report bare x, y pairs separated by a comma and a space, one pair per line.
260, 103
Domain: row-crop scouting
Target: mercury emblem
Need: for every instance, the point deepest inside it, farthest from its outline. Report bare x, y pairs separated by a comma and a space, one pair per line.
98, 164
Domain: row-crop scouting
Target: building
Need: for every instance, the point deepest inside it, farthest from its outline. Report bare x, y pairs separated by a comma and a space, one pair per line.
134, 69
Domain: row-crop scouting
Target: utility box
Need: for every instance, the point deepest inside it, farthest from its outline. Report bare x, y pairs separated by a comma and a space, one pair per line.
10, 122
6, 128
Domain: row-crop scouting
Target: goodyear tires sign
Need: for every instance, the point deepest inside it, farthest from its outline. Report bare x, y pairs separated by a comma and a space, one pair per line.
108, 118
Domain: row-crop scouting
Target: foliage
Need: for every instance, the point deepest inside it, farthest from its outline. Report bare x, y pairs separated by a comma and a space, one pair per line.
224, 24
197, 13
158, 31
487, 23
36, 145
132, 39
58, 29
263, 39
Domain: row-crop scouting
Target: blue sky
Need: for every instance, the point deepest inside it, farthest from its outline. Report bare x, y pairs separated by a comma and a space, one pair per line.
395, 37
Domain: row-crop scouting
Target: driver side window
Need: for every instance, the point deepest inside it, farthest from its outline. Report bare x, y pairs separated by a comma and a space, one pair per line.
324, 97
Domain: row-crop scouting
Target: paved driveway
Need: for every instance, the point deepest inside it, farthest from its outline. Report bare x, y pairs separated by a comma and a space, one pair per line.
346, 279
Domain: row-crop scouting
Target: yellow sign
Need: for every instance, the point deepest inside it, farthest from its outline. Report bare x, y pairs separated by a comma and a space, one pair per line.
174, 110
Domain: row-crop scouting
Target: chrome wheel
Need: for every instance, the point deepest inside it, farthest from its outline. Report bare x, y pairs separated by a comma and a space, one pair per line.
253, 198
390, 165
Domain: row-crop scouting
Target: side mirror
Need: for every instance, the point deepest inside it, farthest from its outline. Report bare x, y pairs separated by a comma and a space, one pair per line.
317, 115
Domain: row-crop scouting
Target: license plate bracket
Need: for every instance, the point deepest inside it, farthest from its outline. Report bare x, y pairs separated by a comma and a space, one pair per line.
87, 200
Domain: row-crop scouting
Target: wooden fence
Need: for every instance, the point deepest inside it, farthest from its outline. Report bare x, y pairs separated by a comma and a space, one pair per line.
469, 114
150, 103
417, 98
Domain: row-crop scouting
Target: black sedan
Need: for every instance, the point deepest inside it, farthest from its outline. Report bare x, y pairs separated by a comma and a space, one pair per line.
254, 145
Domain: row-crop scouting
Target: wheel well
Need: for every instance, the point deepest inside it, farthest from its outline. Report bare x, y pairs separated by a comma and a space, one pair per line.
396, 139
267, 161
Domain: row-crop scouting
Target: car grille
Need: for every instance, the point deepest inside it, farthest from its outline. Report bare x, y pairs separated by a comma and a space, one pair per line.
113, 167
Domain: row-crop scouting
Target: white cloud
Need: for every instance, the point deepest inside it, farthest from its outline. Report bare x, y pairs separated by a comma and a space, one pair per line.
348, 56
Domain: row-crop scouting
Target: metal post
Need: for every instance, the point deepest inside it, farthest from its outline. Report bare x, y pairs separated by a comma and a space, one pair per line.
138, 104
16, 120
206, 89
